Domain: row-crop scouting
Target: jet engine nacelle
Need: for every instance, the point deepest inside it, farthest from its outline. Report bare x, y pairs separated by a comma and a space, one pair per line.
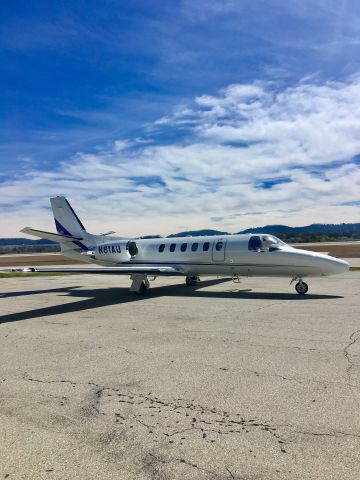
132, 248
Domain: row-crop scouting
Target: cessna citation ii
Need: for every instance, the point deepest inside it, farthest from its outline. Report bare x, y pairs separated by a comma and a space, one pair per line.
227, 255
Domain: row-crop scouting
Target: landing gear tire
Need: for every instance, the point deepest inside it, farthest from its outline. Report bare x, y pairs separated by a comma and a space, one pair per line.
191, 281
143, 289
301, 288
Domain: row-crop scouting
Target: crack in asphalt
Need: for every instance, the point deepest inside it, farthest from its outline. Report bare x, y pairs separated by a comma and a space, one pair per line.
195, 465
180, 421
183, 461
300, 380
230, 472
202, 419
264, 307
354, 337
329, 434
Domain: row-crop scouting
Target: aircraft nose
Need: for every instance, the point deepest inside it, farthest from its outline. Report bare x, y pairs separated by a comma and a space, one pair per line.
335, 266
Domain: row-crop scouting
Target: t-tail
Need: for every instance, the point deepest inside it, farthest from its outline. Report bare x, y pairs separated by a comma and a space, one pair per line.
68, 223
71, 233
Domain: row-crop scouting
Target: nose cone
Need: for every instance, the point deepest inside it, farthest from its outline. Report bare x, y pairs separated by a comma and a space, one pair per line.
333, 266
321, 264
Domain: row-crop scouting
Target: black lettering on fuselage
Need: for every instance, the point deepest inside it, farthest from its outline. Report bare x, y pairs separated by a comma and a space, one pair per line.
110, 249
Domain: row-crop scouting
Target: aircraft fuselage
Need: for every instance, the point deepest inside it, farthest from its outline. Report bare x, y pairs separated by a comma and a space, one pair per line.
218, 255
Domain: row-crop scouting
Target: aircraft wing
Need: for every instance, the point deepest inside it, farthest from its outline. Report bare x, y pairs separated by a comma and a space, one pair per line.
146, 270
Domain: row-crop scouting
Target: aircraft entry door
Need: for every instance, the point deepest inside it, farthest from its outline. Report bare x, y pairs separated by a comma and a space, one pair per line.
218, 251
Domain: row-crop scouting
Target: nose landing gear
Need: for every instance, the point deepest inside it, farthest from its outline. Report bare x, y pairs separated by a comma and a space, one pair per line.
301, 287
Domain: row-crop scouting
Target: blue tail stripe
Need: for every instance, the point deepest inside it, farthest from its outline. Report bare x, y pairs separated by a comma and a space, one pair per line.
63, 231
81, 245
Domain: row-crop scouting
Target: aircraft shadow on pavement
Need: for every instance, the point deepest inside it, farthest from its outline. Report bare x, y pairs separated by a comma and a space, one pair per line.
102, 297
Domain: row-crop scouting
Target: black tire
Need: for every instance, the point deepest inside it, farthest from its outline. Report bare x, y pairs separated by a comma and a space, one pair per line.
142, 289
301, 288
191, 281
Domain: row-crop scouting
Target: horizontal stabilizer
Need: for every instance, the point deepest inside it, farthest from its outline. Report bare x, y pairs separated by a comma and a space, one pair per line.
55, 237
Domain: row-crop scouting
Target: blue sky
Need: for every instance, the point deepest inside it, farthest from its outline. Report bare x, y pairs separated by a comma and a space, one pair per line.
154, 117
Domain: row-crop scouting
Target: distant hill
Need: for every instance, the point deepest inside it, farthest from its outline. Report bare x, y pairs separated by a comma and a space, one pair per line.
317, 232
198, 233
315, 228
25, 241
26, 245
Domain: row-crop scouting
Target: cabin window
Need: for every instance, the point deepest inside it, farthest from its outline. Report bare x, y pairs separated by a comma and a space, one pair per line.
183, 247
194, 247
255, 244
162, 247
219, 245
172, 247
206, 246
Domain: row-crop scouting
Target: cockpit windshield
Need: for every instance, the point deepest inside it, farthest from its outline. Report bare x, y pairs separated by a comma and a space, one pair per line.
262, 243
271, 240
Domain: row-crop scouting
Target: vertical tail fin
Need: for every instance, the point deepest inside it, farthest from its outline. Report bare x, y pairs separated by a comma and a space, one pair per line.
66, 220
68, 223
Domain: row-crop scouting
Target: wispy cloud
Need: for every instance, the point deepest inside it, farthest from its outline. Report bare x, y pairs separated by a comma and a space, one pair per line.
252, 154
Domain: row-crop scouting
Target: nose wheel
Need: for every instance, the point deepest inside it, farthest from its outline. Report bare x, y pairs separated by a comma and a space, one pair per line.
301, 287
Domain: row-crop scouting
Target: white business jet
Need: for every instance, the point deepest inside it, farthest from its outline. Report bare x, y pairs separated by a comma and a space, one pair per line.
226, 255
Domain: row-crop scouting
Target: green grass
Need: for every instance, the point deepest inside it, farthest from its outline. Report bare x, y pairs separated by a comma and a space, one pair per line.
354, 268
32, 274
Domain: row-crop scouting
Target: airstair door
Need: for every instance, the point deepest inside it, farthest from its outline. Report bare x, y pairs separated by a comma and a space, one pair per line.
218, 251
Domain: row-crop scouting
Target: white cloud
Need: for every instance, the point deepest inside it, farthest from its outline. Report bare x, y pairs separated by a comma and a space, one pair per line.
307, 135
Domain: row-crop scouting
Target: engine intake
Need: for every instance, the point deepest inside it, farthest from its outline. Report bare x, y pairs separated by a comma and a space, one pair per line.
132, 248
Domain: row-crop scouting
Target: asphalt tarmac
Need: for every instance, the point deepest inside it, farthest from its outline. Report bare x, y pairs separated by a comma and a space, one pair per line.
229, 381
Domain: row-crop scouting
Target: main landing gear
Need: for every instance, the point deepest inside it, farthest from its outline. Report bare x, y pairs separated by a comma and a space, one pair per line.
301, 287
140, 284
192, 281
